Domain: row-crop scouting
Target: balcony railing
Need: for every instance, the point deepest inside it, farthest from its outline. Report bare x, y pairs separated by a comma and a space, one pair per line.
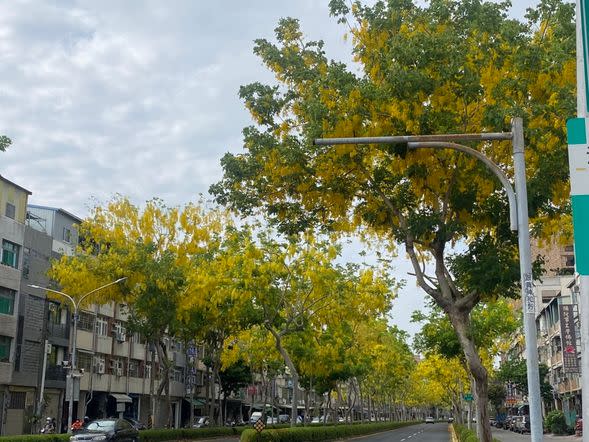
55, 373
58, 330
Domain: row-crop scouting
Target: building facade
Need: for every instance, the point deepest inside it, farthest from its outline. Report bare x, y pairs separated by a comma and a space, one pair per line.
14, 400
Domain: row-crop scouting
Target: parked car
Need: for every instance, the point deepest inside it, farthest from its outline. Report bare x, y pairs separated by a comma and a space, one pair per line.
137, 424
284, 418
429, 420
450, 419
271, 420
321, 419
201, 422
119, 430
256, 415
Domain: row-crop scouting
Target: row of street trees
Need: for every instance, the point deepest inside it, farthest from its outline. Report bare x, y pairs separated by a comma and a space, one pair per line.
449, 67
259, 304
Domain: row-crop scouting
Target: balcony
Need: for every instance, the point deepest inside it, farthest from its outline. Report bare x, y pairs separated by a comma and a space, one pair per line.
58, 330
55, 373
569, 385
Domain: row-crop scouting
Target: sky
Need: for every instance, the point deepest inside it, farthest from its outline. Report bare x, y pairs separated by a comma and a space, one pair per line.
141, 98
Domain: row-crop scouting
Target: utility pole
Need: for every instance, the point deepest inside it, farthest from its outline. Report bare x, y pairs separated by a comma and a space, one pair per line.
577, 131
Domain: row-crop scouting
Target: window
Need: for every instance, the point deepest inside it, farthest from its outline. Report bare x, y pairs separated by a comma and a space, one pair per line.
17, 400
67, 235
10, 252
26, 262
5, 342
86, 321
84, 361
133, 368
178, 374
54, 314
10, 211
7, 301
136, 338
101, 326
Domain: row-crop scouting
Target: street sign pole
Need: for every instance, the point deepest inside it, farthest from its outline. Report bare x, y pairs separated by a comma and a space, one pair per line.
577, 132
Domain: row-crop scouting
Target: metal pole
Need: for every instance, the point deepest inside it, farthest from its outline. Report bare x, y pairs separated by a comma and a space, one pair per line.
400, 139
582, 112
528, 298
72, 371
42, 389
584, 320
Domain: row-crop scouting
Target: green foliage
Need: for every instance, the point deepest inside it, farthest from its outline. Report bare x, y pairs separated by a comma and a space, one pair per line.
187, 434
556, 422
5, 142
497, 394
235, 377
465, 435
515, 371
490, 322
318, 433
37, 438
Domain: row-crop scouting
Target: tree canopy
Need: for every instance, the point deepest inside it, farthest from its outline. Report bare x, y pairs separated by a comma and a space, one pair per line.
5, 143
448, 67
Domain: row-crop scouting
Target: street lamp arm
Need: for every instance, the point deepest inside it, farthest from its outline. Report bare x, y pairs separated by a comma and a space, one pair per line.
54, 291
490, 165
97, 289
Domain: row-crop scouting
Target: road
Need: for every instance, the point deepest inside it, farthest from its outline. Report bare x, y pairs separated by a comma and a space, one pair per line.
414, 433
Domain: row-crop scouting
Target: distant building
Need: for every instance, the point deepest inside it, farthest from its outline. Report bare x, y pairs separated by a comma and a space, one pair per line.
562, 357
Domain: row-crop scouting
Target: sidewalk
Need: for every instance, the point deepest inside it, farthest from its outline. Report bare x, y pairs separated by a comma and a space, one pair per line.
510, 436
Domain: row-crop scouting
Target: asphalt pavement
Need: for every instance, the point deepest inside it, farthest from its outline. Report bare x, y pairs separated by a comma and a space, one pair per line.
415, 433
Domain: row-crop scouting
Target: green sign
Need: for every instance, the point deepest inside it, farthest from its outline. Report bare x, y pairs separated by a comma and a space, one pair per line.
579, 170
468, 397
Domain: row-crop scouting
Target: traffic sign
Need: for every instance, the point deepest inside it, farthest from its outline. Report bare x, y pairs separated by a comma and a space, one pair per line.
259, 425
468, 397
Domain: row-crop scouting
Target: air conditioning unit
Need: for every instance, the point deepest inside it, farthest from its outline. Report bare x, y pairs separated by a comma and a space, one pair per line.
99, 368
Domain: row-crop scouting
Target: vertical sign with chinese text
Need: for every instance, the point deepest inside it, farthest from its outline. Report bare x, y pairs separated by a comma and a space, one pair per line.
570, 363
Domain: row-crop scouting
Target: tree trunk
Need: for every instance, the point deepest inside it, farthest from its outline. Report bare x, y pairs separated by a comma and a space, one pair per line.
152, 389
165, 380
461, 324
218, 406
293, 372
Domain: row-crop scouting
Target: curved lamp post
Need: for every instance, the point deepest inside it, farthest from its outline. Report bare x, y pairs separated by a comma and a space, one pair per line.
76, 307
518, 216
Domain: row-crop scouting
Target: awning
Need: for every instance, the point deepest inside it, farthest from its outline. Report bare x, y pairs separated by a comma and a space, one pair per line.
198, 403
119, 397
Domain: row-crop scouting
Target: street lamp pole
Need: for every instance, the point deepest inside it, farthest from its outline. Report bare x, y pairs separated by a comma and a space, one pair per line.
76, 307
518, 205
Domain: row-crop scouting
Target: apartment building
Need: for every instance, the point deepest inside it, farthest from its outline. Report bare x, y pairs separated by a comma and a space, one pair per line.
559, 345
13, 400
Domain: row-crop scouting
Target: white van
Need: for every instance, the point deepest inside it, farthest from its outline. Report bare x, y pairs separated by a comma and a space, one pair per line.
255, 417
